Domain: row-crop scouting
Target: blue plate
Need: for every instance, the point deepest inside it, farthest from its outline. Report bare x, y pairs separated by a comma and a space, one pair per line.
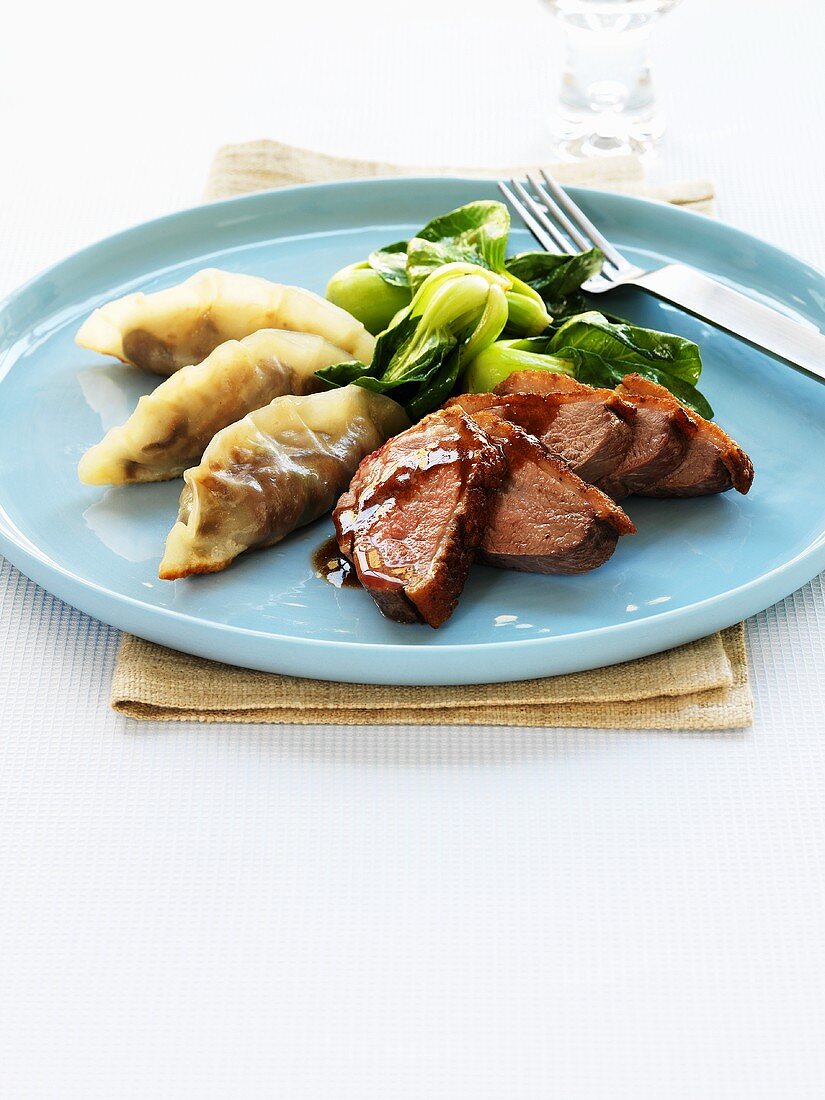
693, 567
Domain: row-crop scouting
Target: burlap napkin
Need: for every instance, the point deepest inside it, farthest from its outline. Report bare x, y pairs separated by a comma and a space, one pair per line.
700, 686
258, 165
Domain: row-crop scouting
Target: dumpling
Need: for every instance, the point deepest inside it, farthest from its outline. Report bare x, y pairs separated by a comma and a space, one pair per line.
170, 428
279, 468
172, 328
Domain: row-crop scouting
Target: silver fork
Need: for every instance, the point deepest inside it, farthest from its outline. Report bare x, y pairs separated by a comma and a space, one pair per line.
557, 223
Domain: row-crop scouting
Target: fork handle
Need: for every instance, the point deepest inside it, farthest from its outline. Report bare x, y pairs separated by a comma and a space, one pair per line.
791, 341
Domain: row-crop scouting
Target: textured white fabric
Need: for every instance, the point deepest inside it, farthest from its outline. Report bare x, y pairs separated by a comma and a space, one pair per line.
319, 913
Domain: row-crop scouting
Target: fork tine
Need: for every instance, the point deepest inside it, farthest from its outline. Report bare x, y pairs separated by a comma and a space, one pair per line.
555, 211
575, 240
563, 200
543, 229
544, 238
539, 215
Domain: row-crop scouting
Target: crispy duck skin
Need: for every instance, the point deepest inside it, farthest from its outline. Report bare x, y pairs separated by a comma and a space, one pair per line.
713, 462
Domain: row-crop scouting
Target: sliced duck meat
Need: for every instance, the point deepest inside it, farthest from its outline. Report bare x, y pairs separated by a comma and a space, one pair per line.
662, 432
415, 514
543, 517
713, 462
590, 429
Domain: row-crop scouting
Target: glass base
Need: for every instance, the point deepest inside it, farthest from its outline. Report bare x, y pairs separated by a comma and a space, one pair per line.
607, 134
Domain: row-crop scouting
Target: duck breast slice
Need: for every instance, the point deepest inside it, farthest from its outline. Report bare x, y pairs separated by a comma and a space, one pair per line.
713, 462
590, 429
543, 517
662, 431
593, 427
415, 513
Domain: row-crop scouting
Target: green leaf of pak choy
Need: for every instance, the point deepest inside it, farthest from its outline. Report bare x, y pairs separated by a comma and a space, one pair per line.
555, 275
475, 233
390, 262
604, 351
624, 345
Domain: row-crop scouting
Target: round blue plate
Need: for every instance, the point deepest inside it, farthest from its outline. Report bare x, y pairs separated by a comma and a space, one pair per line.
693, 567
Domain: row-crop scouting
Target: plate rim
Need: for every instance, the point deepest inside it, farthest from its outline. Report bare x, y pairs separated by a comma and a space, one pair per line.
617, 642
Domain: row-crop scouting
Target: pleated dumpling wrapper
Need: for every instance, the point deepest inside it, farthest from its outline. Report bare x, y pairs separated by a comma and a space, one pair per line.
170, 329
170, 428
279, 468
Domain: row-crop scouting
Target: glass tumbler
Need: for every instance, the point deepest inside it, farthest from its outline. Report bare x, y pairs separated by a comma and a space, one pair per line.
607, 100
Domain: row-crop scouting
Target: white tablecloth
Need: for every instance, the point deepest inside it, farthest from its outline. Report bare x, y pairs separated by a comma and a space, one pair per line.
243, 911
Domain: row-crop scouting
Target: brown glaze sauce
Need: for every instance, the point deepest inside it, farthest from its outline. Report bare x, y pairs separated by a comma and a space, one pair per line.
331, 565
